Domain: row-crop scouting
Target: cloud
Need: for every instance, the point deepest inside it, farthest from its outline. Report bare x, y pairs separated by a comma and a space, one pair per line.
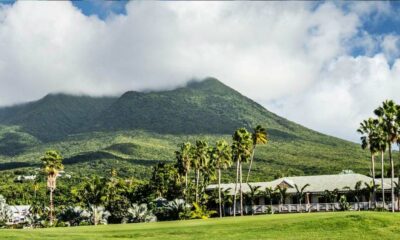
274, 52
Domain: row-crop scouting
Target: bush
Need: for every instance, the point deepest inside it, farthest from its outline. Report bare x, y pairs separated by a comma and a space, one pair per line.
344, 205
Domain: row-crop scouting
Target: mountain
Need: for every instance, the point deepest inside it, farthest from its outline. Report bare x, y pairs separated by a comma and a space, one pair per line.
139, 128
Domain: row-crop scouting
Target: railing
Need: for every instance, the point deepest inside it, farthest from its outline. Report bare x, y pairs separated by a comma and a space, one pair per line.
311, 207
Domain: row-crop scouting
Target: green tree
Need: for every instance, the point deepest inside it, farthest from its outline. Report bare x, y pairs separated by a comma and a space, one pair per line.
52, 165
93, 195
252, 195
259, 136
185, 158
300, 192
241, 152
270, 193
387, 114
222, 157
369, 130
357, 192
200, 160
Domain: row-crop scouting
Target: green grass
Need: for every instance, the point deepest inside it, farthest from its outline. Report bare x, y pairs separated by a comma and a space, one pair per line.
339, 225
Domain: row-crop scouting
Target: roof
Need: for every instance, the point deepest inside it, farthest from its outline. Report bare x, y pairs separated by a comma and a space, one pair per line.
318, 183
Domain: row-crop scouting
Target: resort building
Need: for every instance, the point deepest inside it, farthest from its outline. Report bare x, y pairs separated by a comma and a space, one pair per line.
19, 214
321, 194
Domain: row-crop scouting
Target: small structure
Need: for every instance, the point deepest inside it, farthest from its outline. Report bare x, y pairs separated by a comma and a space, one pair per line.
19, 214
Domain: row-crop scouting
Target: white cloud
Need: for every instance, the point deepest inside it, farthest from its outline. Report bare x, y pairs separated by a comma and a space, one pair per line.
269, 51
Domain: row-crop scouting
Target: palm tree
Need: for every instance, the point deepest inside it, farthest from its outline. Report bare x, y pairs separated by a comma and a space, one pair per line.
94, 194
356, 192
222, 158
253, 194
282, 193
270, 193
369, 190
241, 152
331, 196
259, 136
300, 192
201, 158
387, 114
369, 130
52, 165
379, 140
185, 158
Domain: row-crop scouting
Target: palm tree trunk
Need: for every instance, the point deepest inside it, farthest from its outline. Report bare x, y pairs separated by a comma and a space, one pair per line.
186, 186
219, 192
382, 177
197, 184
236, 183
392, 174
373, 177
270, 202
94, 215
241, 191
251, 163
51, 207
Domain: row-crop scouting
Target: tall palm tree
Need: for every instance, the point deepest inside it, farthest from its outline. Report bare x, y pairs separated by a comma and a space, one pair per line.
52, 165
300, 192
200, 159
222, 158
387, 114
185, 157
369, 130
259, 136
241, 152
379, 140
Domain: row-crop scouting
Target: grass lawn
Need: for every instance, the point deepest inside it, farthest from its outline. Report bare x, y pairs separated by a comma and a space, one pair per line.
338, 225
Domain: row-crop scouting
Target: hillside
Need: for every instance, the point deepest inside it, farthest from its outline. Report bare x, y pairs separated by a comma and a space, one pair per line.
136, 130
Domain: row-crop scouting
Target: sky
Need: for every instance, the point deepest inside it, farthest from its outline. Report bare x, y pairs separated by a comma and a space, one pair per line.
325, 65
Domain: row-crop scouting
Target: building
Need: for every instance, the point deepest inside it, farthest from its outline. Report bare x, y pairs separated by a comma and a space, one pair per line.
19, 214
315, 195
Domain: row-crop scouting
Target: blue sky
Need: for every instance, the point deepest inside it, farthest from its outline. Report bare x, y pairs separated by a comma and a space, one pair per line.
325, 65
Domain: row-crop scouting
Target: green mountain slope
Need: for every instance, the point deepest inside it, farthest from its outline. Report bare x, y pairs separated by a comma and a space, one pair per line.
136, 130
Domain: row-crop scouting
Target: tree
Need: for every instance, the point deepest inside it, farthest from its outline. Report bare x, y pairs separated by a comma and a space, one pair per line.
241, 152
93, 195
270, 193
356, 192
52, 165
201, 158
282, 193
185, 158
369, 130
253, 194
369, 190
259, 136
300, 192
387, 114
222, 157
5, 211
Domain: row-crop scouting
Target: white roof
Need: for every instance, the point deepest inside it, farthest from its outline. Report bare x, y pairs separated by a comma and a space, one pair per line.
318, 183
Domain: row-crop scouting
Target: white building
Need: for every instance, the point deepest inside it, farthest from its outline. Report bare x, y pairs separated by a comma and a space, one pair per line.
315, 195
19, 214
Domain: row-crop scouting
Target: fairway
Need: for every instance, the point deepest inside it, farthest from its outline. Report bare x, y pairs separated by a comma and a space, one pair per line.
339, 225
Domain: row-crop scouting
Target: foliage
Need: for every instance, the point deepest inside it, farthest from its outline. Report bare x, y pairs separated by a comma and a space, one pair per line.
140, 213
5, 211
343, 204
201, 212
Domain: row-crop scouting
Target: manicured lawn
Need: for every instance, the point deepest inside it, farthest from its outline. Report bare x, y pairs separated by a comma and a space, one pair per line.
338, 225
